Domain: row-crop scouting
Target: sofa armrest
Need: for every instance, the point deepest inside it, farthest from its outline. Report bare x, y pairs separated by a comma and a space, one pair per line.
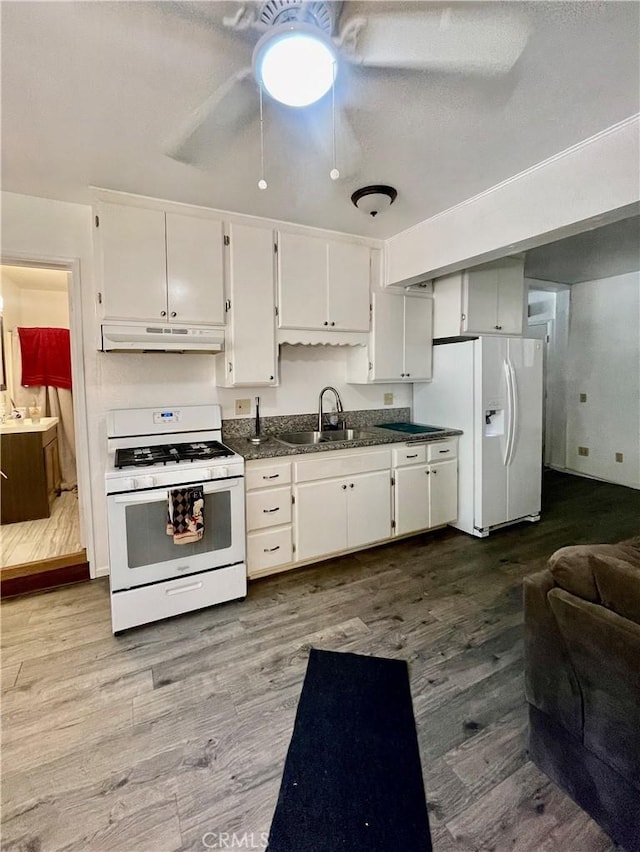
606, 574
550, 681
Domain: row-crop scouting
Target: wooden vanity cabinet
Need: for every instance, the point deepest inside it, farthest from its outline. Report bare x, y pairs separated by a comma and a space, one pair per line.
30, 461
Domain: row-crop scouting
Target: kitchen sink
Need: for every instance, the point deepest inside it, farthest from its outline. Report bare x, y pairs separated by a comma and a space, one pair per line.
328, 436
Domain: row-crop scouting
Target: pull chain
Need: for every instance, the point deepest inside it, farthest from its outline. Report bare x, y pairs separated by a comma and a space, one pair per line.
262, 184
334, 174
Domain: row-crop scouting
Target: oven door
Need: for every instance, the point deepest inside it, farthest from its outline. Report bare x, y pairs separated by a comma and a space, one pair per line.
140, 550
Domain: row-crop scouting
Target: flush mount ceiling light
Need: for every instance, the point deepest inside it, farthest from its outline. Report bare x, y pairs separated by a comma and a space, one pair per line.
295, 64
375, 199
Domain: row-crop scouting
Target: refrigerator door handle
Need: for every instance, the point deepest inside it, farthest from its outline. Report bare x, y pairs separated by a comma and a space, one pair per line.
507, 446
515, 405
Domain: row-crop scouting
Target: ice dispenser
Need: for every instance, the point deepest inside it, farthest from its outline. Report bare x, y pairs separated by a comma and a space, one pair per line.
493, 422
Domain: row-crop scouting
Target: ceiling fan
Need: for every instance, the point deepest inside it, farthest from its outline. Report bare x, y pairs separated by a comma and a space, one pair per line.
301, 45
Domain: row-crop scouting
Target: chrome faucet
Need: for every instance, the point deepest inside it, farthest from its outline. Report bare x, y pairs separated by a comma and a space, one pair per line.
339, 407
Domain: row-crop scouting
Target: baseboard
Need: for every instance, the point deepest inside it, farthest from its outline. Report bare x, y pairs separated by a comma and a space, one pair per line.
102, 571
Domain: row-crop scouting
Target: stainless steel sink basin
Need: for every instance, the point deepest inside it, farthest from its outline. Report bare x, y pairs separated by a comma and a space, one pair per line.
296, 439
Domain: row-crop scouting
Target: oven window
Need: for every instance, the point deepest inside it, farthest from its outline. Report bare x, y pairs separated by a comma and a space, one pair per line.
147, 539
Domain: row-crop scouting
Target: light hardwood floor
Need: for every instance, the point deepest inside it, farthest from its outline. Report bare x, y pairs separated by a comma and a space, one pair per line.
46, 538
152, 739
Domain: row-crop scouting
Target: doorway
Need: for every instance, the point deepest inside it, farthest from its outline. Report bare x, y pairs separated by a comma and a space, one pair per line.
40, 533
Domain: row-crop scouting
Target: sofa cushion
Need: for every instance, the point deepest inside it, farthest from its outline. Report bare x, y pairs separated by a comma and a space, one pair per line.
608, 574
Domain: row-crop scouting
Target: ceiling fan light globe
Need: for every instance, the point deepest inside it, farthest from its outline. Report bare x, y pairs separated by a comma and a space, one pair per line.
296, 65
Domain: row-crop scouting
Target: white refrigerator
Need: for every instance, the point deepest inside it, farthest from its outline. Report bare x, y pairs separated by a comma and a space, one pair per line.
491, 389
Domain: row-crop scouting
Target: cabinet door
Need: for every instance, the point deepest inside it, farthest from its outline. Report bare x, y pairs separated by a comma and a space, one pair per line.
134, 273
387, 336
194, 270
252, 339
418, 337
320, 518
480, 303
368, 508
348, 276
302, 281
411, 499
510, 309
443, 493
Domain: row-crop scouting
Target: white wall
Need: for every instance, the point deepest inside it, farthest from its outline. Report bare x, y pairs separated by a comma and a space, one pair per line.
603, 361
44, 308
43, 229
552, 309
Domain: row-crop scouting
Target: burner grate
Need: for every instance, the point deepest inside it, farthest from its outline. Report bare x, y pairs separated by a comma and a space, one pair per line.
170, 454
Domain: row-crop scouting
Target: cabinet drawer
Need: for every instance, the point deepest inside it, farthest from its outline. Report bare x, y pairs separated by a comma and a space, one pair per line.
442, 450
338, 464
268, 549
264, 476
268, 508
409, 455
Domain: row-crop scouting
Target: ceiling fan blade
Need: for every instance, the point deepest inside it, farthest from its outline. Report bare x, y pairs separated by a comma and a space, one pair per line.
461, 40
224, 113
348, 150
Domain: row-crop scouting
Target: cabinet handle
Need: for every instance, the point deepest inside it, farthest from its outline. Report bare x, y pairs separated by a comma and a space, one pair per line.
273, 476
402, 375
271, 549
344, 487
407, 374
269, 511
163, 313
173, 314
325, 323
427, 472
332, 323
270, 378
351, 486
414, 456
434, 472
444, 451
498, 327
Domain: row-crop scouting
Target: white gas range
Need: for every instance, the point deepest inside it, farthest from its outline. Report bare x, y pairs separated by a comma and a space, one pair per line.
160, 459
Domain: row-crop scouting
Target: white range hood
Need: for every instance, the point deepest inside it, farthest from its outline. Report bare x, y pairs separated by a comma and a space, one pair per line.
116, 337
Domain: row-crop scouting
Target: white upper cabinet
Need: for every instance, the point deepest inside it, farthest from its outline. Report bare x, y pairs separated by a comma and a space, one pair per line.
322, 284
488, 299
400, 343
250, 355
348, 286
194, 269
160, 266
131, 242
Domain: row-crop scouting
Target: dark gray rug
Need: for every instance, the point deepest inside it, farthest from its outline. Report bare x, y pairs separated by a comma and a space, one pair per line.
352, 778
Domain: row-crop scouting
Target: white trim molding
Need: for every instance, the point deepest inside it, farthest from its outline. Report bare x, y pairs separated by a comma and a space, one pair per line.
590, 184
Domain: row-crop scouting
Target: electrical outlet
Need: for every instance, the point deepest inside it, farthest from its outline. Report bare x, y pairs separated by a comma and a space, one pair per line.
388, 399
583, 397
243, 406
583, 451
619, 457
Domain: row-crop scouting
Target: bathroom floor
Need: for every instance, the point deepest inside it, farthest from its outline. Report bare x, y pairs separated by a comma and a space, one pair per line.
47, 538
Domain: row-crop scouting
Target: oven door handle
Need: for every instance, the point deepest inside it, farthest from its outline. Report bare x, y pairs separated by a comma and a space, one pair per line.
159, 495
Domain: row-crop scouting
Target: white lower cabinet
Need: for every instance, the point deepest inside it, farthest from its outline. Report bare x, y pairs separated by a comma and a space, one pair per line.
426, 496
310, 506
320, 512
268, 504
340, 514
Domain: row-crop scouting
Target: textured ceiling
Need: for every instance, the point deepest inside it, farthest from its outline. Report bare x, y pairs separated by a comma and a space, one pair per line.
91, 92
600, 253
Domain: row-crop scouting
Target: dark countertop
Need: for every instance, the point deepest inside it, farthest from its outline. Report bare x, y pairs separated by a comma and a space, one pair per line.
270, 448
